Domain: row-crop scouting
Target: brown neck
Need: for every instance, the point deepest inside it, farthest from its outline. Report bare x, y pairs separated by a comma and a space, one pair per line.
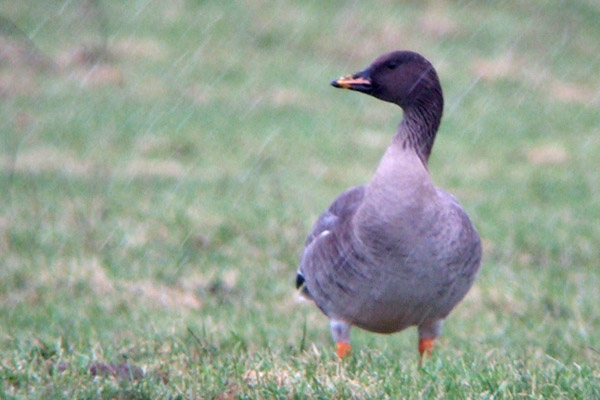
420, 123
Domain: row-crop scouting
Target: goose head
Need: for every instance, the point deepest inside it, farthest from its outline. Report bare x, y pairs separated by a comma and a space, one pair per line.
404, 78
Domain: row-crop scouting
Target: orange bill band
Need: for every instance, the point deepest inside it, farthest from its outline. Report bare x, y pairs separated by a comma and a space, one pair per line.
348, 81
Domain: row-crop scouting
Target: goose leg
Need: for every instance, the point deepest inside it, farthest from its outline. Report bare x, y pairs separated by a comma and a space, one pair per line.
341, 334
425, 346
429, 330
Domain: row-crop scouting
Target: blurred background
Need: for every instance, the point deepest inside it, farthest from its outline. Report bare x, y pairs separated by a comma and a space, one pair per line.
162, 162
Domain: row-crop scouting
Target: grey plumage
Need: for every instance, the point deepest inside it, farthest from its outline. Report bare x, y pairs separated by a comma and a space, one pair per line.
396, 252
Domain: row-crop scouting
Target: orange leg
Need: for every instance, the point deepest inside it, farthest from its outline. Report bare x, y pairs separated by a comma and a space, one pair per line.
425, 346
340, 331
343, 349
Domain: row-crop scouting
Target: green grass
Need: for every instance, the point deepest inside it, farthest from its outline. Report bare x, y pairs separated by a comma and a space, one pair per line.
162, 162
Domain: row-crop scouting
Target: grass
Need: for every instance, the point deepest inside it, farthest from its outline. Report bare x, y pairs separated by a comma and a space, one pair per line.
162, 162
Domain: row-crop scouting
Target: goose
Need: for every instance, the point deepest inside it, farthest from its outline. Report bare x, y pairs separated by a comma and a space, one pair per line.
396, 252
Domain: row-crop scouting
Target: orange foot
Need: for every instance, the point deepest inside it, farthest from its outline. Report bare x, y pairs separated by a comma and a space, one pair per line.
343, 349
425, 346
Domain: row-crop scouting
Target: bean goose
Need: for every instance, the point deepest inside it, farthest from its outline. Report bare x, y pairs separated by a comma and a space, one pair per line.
398, 251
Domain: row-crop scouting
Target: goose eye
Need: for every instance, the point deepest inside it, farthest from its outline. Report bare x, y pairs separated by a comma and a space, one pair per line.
392, 65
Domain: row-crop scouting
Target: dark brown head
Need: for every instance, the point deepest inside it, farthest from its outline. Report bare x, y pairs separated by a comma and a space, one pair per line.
409, 80
402, 77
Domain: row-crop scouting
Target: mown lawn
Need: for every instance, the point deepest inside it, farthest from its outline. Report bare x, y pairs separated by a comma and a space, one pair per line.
162, 162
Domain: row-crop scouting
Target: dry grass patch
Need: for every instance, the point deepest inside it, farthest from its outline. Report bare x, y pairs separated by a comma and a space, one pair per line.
547, 154
576, 93
437, 22
49, 159
164, 296
520, 69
